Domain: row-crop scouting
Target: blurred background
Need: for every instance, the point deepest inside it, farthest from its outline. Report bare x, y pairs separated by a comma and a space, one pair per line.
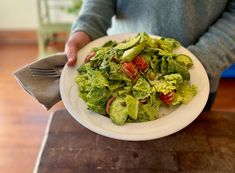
32, 29
46, 23
29, 30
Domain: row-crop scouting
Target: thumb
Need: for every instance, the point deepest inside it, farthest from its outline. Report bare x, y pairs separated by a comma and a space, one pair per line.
76, 41
71, 53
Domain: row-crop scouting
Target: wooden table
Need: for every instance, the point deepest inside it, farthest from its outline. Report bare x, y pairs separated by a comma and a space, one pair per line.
205, 146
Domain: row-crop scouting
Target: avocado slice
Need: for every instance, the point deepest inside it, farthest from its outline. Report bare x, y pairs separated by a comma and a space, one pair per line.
131, 53
126, 45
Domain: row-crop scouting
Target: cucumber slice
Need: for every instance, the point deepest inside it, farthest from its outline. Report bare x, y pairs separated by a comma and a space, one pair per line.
184, 60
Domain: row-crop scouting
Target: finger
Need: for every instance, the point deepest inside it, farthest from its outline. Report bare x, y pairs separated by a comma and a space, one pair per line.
72, 61
71, 53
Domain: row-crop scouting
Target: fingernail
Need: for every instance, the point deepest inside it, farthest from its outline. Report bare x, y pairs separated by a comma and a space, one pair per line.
70, 60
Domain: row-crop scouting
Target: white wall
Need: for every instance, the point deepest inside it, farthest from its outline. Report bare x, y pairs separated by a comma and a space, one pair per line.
22, 14
18, 14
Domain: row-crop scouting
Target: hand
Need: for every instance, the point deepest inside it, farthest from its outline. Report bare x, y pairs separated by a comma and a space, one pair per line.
76, 41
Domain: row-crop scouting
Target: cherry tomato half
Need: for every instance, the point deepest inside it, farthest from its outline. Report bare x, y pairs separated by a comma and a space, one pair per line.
167, 98
130, 69
141, 63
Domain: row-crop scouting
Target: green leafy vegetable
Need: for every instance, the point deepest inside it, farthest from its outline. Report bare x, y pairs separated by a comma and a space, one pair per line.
141, 89
149, 111
184, 94
109, 74
184, 60
132, 105
97, 99
99, 80
118, 111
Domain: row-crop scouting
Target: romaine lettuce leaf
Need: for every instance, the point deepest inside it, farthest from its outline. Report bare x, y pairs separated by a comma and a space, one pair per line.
174, 78
116, 73
174, 67
149, 111
164, 86
168, 83
113, 85
184, 94
141, 89
125, 90
132, 105
168, 44
118, 111
98, 80
97, 99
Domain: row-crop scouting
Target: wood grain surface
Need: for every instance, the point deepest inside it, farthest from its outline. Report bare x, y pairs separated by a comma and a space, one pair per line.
206, 145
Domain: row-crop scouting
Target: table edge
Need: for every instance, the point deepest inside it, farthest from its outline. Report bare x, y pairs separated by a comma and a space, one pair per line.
36, 167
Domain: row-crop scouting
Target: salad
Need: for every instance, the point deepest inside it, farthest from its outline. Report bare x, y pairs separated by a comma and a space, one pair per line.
129, 81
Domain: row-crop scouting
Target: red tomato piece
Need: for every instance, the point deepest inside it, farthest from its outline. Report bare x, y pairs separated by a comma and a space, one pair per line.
167, 98
141, 63
130, 69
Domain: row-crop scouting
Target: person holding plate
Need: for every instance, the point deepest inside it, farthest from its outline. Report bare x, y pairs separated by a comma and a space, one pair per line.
206, 28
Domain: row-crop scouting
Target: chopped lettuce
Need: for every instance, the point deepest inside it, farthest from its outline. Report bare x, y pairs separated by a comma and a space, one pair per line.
184, 94
141, 89
84, 85
116, 73
125, 90
132, 105
163, 86
168, 44
174, 78
149, 111
118, 111
136, 99
97, 99
114, 85
99, 80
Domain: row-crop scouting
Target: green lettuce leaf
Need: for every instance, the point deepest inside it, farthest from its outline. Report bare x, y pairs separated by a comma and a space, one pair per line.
98, 80
149, 111
164, 86
184, 94
141, 89
174, 78
168, 44
132, 105
116, 73
97, 99
118, 111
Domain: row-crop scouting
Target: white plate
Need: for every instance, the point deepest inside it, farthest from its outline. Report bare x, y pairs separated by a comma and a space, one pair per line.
166, 125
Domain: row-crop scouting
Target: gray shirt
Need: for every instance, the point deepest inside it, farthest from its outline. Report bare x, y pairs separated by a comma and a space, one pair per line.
205, 27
